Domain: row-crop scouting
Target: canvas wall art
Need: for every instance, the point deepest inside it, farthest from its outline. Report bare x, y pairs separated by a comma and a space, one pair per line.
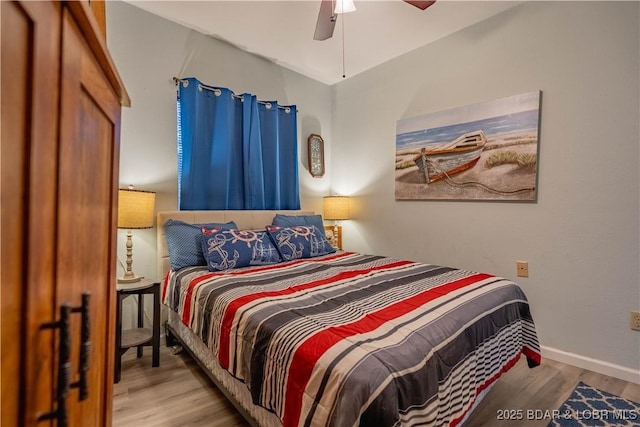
484, 151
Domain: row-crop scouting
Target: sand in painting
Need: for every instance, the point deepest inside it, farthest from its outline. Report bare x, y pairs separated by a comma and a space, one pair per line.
505, 178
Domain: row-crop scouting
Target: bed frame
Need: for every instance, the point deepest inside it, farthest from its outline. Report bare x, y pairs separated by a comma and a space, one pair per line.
235, 391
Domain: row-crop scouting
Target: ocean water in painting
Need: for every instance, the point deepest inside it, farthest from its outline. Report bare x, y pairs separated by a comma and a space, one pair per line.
508, 123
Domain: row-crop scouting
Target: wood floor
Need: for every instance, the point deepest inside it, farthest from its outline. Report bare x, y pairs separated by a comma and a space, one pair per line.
177, 393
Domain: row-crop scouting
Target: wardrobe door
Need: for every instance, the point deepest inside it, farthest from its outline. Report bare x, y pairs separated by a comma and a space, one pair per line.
87, 213
30, 77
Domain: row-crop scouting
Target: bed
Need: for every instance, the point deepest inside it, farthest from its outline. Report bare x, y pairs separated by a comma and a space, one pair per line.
342, 338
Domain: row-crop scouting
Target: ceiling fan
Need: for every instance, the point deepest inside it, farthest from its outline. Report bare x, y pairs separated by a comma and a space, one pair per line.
328, 16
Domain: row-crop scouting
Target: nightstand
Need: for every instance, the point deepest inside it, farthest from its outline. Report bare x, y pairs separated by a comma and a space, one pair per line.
334, 235
140, 336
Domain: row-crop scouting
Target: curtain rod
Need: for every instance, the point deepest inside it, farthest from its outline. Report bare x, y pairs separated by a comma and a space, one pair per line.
176, 81
217, 91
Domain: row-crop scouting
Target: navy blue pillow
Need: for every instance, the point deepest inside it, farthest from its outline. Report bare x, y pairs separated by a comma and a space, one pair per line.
299, 242
185, 243
281, 220
226, 249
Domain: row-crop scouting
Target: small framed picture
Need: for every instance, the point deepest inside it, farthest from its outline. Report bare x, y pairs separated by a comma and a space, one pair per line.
316, 155
334, 235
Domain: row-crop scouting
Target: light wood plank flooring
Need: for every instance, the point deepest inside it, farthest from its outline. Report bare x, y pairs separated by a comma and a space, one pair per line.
177, 393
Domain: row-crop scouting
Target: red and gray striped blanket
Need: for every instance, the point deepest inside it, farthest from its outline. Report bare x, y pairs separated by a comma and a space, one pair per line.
349, 339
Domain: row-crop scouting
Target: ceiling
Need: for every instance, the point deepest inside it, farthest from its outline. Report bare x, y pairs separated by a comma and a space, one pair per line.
282, 31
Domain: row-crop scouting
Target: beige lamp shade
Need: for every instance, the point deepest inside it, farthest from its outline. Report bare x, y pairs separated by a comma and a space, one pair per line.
135, 208
336, 208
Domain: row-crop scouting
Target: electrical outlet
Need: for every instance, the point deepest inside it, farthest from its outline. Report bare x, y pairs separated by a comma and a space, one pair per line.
634, 320
522, 268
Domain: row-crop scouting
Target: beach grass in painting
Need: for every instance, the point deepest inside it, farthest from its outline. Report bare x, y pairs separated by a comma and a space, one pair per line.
507, 165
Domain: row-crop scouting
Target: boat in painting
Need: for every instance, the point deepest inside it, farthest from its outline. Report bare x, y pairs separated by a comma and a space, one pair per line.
447, 159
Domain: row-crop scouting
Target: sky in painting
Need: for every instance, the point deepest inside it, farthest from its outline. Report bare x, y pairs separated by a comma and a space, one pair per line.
468, 113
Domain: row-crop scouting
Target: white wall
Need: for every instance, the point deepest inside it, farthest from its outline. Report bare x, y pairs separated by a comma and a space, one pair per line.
148, 52
582, 236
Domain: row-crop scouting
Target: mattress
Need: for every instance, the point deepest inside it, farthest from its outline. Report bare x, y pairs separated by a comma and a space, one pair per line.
353, 339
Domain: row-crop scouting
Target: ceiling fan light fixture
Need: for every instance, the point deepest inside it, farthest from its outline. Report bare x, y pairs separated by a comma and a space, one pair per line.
344, 6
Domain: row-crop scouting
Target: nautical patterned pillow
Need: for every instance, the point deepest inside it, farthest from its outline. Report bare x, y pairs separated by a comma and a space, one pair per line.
282, 220
226, 249
184, 242
299, 242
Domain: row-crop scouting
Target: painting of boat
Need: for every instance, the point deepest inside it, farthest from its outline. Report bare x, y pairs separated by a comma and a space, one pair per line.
482, 151
439, 161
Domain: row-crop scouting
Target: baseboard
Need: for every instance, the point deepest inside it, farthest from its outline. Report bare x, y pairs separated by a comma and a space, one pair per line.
595, 365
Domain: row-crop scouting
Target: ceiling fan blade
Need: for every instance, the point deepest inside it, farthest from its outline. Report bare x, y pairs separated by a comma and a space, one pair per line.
326, 21
422, 5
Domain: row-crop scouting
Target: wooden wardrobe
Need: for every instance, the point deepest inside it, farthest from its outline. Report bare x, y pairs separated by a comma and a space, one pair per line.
61, 101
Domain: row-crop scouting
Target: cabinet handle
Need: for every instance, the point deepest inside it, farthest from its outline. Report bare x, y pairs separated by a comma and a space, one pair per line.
85, 347
64, 365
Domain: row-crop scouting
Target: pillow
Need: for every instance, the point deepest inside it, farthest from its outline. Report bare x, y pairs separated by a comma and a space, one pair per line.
185, 244
299, 242
226, 249
281, 220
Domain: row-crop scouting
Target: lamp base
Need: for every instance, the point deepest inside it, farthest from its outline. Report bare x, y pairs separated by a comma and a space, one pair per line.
132, 279
334, 235
129, 276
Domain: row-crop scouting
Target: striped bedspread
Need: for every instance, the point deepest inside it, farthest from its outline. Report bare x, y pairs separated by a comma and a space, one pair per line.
350, 339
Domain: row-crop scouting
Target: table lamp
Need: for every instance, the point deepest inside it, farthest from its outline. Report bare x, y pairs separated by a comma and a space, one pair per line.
336, 208
135, 210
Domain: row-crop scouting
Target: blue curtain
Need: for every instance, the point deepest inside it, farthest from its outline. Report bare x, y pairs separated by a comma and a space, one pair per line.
235, 152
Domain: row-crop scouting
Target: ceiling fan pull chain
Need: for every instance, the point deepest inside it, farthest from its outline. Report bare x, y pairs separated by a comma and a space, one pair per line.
344, 74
